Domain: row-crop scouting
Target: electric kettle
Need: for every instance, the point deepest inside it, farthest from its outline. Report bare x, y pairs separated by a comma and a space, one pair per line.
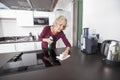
110, 50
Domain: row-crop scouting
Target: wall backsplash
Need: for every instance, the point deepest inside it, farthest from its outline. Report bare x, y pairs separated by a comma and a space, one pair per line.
1, 32
11, 29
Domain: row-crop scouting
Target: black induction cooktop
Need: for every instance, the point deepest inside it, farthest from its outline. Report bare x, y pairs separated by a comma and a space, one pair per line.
29, 61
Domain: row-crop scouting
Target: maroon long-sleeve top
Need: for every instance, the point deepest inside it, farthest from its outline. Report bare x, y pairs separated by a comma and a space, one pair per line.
46, 33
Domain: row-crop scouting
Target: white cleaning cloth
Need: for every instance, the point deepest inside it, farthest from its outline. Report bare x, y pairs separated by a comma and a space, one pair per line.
61, 57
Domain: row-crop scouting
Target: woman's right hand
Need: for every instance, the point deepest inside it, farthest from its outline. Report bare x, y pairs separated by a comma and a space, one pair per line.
48, 40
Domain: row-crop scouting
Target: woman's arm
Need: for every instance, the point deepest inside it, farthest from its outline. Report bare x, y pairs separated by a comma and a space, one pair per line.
42, 35
67, 43
65, 40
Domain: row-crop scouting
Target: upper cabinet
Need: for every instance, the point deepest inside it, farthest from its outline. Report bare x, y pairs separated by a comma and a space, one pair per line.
43, 14
7, 14
24, 18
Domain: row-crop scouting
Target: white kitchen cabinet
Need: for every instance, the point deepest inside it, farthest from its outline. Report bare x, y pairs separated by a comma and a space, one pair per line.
37, 45
26, 46
5, 48
24, 18
7, 14
20, 47
41, 14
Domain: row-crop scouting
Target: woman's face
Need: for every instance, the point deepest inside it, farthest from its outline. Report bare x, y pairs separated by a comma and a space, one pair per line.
61, 26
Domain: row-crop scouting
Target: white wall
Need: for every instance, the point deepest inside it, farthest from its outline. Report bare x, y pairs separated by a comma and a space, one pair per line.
103, 17
67, 13
10, 28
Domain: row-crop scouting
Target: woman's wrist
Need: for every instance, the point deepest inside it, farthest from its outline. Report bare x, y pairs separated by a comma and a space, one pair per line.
67, 50
45, 39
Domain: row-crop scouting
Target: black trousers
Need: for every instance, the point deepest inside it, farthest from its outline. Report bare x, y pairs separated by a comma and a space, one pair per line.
49, 57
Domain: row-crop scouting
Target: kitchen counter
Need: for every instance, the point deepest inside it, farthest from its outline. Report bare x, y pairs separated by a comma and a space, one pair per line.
78, 67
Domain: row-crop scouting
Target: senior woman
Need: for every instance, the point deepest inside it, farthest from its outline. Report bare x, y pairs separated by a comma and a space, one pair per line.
56, 32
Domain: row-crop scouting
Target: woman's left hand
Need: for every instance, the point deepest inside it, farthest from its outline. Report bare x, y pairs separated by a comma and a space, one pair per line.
65, 54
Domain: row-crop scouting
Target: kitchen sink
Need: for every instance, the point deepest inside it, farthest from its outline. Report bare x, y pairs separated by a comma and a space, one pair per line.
15, 39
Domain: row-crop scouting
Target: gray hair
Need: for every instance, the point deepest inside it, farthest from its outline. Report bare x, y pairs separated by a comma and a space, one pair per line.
58, 20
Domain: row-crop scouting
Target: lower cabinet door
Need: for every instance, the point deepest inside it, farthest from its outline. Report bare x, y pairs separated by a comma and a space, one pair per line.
27, 46
5, 48
38, 46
